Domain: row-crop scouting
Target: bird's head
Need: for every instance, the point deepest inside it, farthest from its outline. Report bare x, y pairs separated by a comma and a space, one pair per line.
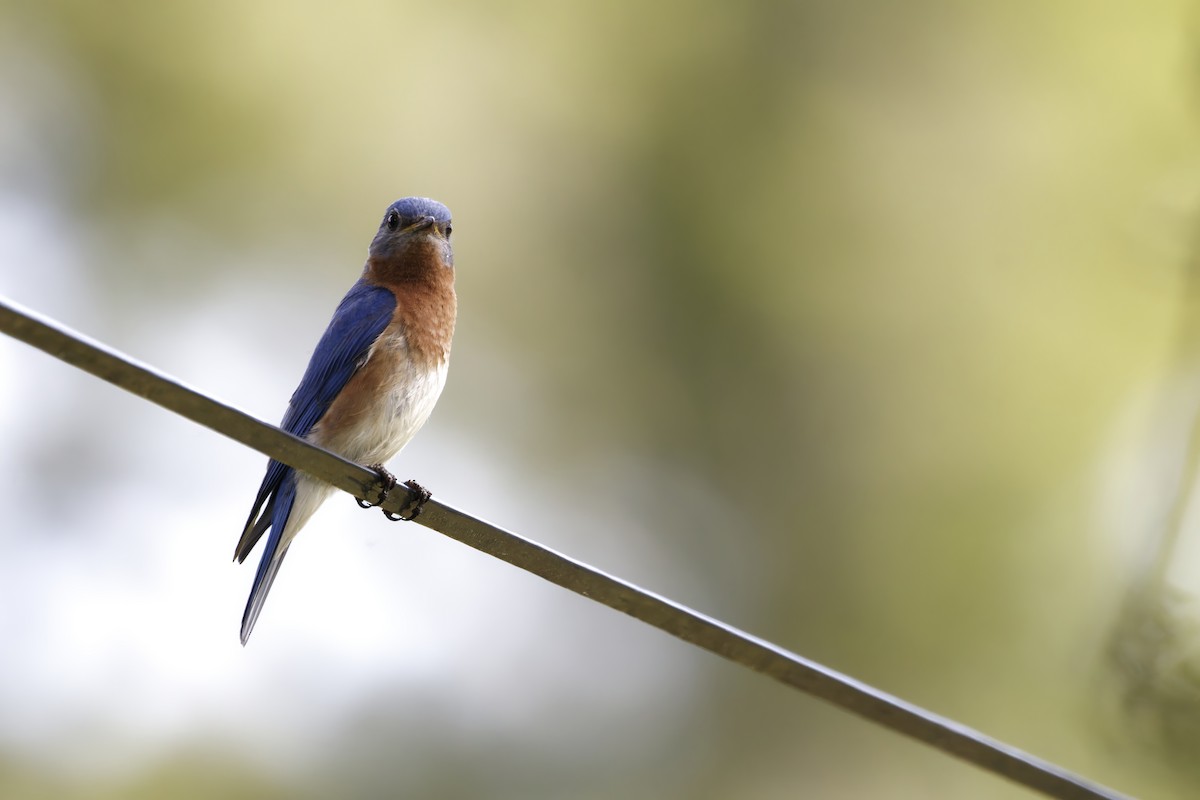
414, 236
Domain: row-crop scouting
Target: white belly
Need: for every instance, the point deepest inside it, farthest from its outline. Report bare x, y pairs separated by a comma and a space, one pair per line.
385, 426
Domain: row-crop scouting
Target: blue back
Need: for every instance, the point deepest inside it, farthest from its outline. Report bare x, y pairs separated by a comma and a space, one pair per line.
361, 316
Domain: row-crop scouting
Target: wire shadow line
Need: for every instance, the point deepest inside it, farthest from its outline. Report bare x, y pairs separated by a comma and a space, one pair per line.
710, 634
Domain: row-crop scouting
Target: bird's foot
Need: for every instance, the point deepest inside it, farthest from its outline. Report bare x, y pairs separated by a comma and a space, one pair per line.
387, 482
418, 496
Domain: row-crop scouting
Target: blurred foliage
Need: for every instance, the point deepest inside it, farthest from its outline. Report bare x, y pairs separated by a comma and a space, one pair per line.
1154, 645
860, 291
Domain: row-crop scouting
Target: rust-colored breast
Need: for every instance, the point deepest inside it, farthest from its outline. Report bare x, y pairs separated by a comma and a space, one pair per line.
422, 277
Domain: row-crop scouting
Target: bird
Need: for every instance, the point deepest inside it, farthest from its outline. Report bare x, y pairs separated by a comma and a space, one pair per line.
371, 382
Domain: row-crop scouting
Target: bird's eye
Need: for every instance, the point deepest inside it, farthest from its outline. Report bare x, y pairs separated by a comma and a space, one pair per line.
392, 221
448, 229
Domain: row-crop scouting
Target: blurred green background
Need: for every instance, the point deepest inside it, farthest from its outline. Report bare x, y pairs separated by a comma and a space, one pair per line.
867, 327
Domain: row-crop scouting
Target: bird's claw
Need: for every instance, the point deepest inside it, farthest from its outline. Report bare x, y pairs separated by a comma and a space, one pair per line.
387, 482
418, 496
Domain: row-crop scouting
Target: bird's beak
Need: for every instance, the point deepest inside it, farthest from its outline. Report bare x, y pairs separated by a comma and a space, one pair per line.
421, 224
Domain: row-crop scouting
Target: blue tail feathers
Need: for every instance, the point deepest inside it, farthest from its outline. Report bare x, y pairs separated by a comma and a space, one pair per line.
279, 509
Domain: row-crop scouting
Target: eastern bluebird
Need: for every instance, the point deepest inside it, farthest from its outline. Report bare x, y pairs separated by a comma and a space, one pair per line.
372, 381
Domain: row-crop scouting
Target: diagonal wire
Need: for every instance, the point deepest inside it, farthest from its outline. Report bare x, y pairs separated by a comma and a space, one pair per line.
713, 635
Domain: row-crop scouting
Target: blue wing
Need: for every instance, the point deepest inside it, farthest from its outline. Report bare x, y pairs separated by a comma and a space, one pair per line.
359, 320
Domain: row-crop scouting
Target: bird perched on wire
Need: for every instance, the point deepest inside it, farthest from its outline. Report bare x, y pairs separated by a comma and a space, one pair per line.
372, 381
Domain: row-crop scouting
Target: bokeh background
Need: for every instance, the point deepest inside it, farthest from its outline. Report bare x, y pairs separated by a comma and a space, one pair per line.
867, 327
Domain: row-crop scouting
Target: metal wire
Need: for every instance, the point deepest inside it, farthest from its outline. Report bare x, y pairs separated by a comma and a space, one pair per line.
711, 634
